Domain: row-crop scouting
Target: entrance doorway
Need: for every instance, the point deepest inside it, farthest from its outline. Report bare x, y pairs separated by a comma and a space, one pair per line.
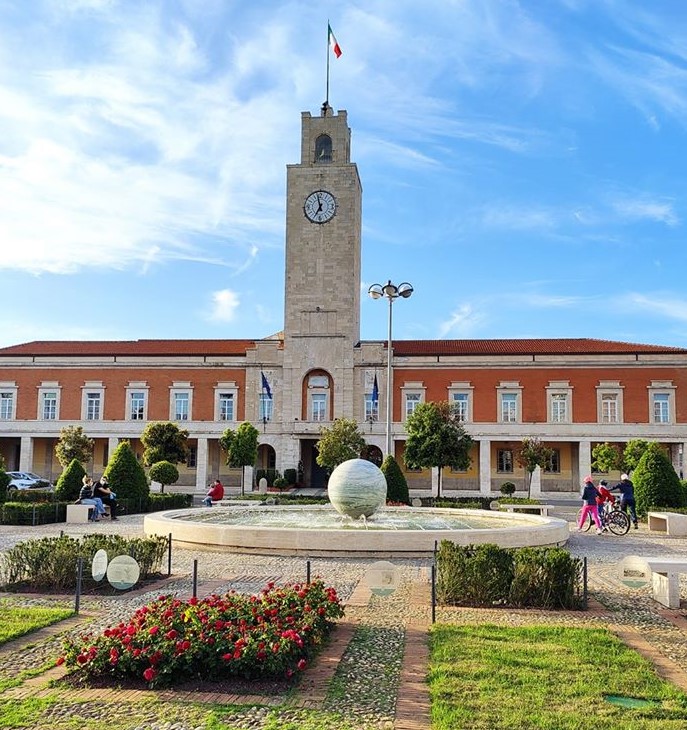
314, 475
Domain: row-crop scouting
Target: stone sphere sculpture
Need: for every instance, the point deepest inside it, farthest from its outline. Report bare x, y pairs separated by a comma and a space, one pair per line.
357, 487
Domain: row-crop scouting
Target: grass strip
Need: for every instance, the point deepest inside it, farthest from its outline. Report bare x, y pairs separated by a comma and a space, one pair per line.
18, 621
488, 677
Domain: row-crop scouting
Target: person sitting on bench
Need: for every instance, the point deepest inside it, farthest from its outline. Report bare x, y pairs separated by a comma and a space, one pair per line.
215, 494
107, 496
86, 497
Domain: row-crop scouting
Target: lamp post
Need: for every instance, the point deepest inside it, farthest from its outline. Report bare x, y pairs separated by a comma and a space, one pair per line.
391, 292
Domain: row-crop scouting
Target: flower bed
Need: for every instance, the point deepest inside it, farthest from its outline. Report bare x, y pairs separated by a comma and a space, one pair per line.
273, 633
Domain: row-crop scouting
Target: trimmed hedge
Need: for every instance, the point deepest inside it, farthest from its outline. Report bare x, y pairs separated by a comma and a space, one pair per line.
49, 564
489, 575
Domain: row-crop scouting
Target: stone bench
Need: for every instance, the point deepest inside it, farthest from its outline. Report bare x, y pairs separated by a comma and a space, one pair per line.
672, 523
542, 509
665, 579
77, 513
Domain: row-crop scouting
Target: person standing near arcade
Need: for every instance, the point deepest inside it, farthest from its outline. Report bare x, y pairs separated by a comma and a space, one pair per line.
627, 497
589, 506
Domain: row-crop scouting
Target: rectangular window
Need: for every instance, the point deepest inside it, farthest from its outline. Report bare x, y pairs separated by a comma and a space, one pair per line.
181, 410
554, 465
459, 406
137, 405
226, 407
559, 408
371, 408
412, 402
319, 406
661, 408
49, 406
609, 408
265, 407
504, 461
509, 407
93, 406
192, 457
6, 406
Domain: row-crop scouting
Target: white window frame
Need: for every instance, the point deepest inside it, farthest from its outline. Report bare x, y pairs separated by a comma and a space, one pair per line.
461, 392
662, 412
412, 394
666, 390
605, 390
559, 401
319, 412
371, 409
177, 390
226, 387
132, 389
8, 389
511, 391
87, 389
510, 459
265, 407
44, 389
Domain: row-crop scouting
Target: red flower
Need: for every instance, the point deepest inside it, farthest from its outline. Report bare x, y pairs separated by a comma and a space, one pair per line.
302, 664
59, 661
149, 674
227, 657
172, 634
81, 659
154, 630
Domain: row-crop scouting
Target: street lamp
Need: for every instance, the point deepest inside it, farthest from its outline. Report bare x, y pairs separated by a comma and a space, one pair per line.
391, 292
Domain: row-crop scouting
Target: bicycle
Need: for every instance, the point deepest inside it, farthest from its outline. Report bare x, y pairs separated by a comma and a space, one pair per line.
612, 518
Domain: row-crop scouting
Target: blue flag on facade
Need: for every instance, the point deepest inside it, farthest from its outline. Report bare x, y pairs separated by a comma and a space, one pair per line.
266, 385
375, 390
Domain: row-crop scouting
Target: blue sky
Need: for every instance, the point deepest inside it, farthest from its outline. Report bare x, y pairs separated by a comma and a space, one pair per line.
524, 164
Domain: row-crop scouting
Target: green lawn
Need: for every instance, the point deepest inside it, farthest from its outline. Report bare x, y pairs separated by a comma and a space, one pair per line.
553, 678
16, 621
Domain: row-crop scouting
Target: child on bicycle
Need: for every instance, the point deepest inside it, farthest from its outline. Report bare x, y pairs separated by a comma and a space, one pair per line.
605, 499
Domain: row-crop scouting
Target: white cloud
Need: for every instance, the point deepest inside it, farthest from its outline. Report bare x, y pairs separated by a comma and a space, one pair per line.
462, 322
661, 212
664, 306
225, 304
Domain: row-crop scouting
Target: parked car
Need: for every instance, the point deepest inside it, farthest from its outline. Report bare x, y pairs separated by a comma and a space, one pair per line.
27, 480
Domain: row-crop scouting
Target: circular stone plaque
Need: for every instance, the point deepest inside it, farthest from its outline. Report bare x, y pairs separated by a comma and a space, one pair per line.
382, 578
99, 565
123, 572
634, 572
357, 487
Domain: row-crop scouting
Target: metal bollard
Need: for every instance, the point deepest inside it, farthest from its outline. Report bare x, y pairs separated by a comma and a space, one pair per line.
307, 572
195, 578
434, 593
169, 555
79, 577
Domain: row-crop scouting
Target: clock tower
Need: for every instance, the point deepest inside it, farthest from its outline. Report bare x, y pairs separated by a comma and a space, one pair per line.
323, 223
322, 289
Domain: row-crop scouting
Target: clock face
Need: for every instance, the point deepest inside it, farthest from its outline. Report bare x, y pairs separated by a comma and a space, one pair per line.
320, 206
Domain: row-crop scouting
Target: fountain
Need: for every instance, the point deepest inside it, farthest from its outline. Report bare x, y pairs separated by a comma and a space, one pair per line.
354, 525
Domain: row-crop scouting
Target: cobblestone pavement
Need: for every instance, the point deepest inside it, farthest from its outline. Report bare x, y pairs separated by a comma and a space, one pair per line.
370, 666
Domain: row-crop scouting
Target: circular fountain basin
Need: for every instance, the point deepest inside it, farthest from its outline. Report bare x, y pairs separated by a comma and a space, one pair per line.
320, 531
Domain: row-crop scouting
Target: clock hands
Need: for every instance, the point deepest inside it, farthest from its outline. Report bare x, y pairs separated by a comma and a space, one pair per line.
319, 204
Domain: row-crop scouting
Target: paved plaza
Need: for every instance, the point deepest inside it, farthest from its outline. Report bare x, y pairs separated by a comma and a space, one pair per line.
390, 696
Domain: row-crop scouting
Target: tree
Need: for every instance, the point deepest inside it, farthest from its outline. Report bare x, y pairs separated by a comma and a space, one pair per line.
396, 484
655, 481
241, 447
164, 441
4, 480
607, 457
338, 443
70, 481
532, 454
125, 475
164, 472
436, 437
632, 455
73, 444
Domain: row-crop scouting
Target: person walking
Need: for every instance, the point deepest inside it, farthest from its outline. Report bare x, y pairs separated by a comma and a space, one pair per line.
106, 495
627, 497
589, 506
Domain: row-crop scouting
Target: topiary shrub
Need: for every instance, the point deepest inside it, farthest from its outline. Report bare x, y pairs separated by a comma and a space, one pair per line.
4, 481
291, 476
280, 483
70, 482
164, 472
396, 484
269, 474
545, 578
125, 475
507, 488
655, 480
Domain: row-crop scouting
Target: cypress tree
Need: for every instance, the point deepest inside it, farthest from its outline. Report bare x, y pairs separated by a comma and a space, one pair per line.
396, 484
656, 483
70, 482
125, 475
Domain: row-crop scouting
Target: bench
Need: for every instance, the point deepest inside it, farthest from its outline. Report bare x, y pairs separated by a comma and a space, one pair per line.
672, 523
77, 513
665, 579
542, 509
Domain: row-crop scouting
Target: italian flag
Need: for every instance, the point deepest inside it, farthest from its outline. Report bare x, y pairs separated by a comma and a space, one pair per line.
333, 42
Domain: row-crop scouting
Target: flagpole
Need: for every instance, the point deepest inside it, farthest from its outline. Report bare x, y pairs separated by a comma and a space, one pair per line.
326, 98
